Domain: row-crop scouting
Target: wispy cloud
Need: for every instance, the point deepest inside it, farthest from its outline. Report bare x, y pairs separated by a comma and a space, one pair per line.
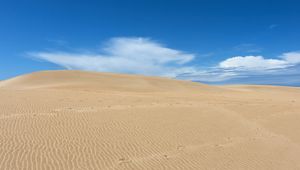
58, 42
248, 48
125, 55
273, 26
148, 57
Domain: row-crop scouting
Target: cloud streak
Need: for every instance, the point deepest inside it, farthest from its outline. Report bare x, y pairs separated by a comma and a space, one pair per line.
248, 48
147, 57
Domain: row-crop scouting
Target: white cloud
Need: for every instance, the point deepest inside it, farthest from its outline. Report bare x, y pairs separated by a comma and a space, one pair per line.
292, 57
147, 57
124, 55
256, 63
253, 63
255, 68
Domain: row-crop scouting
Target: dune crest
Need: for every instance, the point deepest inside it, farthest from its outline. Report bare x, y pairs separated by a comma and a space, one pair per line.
95, 80
87, 120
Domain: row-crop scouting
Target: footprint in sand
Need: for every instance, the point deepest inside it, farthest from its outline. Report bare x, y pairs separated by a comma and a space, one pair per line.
124, 160
180, 147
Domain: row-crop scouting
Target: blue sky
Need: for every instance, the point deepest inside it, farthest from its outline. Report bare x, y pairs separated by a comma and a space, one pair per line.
211, 41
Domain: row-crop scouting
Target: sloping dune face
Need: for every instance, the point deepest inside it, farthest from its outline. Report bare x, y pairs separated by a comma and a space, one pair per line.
84, 120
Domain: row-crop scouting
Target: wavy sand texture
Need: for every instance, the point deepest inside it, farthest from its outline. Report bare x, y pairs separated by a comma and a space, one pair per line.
85, 120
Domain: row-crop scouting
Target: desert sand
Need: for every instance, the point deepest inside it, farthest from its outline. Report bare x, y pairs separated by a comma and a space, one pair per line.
86, 120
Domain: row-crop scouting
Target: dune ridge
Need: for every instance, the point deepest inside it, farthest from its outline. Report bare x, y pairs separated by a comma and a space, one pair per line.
88, 120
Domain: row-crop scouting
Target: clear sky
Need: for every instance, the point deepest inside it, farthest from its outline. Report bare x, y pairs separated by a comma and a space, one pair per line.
211, 41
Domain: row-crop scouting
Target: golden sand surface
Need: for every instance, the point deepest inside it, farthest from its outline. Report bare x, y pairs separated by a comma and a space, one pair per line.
86, 120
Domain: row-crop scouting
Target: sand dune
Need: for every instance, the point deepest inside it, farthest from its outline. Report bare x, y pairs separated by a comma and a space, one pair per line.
85, 120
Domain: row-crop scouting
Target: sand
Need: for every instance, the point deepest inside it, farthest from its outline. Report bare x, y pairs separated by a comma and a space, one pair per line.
85, 120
